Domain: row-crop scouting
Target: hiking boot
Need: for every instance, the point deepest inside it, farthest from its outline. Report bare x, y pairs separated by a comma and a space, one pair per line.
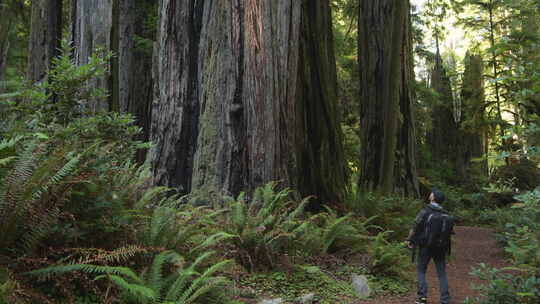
421, 301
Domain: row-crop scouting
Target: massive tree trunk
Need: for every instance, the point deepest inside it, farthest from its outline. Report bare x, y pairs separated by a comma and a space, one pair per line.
5, 28
383, 84
246, 96
45, 36
132, 81
405, 172
92, 28
473, 122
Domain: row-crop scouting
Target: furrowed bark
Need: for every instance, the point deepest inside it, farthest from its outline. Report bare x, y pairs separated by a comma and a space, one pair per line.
405, 173
233, 109
5, 29
382, 26
92, 28
45, 36
133, 78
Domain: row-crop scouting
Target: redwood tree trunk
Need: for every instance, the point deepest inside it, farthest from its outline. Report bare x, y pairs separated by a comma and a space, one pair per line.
92, 28
237, 107
6, 22
444, 135
45, 36
382, 28
133, 78
405, 173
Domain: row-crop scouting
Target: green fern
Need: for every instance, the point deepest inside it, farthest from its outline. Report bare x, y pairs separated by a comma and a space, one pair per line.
263, 229
181, 286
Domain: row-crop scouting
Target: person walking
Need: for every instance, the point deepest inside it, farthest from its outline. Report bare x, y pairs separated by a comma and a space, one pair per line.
431, 235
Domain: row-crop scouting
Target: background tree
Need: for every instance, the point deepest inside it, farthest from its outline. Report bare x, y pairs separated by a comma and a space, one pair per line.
473, 125
444, 135
6, 25
92, 28
488, 18
45, 36
250, 98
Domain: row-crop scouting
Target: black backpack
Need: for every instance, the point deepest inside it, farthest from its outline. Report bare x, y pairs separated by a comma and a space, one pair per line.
438, 228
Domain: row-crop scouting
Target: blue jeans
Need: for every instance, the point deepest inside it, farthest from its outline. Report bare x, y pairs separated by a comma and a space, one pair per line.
439, 258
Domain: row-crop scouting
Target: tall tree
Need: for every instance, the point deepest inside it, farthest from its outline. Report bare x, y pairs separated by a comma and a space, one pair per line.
246, 94
92, 28
133, 45
473, 122
384, 82
45, 36
121, 27
443, 137
406, 176
6, 22
489, 17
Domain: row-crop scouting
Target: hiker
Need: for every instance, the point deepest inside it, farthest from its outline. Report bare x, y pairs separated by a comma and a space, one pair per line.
431, 235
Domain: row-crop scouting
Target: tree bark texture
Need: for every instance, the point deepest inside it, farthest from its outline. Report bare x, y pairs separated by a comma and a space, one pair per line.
405, 173
246, 96
45, 37
133, 76
381, 36
6, 22
92, 28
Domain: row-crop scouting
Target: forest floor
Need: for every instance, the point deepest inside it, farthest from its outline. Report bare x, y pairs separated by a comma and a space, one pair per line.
472, 245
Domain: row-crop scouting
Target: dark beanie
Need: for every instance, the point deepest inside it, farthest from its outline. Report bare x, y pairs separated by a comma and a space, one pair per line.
438, 195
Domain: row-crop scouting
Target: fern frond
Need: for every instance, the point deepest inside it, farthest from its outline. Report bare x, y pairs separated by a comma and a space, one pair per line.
65, 171
9, 143
119, 255
180, 281
212, 240
209, 285
149, 196
87, 268
238, 215
333, 232
6, 160
197, 284
155, 279
38, 226
175, 291
135, 290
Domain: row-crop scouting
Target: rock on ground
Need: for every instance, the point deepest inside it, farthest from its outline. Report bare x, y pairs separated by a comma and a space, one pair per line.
361, 286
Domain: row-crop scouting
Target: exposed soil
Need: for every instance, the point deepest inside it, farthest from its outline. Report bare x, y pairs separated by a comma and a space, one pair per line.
472, 245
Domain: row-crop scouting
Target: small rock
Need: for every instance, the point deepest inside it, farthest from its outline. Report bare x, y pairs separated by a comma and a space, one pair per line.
272, 301
361, 286
307, 299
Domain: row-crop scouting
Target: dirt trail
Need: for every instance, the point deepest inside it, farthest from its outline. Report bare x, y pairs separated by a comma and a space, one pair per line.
472, 245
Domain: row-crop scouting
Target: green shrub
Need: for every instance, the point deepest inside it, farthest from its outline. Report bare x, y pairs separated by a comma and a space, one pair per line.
264, 228
389, 259
66, 176
502, 287
387, 212
524, 175
178, 226
326, 232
